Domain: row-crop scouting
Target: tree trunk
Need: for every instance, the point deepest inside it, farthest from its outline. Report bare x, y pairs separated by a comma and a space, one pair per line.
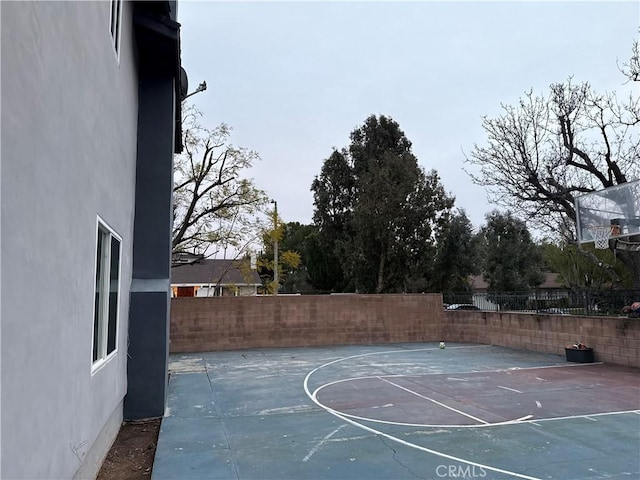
380, 284
615, 278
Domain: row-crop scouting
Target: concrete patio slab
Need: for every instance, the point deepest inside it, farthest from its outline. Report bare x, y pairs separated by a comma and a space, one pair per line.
395, 412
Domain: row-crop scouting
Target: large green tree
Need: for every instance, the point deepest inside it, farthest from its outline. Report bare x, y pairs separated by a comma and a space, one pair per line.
334, 195
458, 255
513, 262
578, 272
295, 238
377, 211
287, 262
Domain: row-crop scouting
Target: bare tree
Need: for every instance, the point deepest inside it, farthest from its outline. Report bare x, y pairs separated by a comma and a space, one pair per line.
631, 68
545, 151
214, 208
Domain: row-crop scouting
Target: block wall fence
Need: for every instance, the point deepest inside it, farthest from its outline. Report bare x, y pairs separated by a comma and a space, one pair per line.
232, 323
613, 339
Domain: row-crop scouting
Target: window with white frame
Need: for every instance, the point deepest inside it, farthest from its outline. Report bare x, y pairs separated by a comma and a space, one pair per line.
107, 293
116, 23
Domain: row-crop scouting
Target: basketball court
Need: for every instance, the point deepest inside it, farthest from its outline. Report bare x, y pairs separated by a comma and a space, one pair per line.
398, 411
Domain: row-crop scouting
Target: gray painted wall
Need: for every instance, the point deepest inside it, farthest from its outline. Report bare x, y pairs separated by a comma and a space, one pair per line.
69, 120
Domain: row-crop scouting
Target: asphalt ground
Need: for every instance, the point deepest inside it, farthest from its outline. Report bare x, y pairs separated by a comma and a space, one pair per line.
402, 411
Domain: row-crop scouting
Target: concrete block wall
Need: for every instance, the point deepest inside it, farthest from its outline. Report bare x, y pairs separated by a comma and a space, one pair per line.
613, 339
227, 323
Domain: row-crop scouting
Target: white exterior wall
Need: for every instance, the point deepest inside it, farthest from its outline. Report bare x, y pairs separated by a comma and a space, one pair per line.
69, 117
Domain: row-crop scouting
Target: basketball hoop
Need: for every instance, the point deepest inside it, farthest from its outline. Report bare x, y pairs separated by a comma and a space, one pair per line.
601, 236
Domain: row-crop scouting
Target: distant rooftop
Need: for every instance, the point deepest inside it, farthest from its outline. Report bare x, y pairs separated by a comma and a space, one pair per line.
551, 281
188, 269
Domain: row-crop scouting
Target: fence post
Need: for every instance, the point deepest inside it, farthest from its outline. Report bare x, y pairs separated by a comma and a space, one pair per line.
587, 303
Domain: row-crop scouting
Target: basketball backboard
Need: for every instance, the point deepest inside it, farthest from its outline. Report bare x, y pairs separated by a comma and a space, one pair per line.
616, 208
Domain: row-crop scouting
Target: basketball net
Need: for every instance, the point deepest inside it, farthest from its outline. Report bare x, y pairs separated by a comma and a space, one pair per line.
601, 236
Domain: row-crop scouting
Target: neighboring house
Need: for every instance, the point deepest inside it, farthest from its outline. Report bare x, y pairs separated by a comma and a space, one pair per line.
202, 277
551, 284
550, 289
90, 123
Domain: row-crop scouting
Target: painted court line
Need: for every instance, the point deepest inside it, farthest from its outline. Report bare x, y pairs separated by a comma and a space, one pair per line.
406, 424
525, 419
429, 425
321, 443
440, 454
522, 420
391, 437
574, 417
404, 442
510, 389
351, 419
386, 405
398, 375
434, 401
573, 365
385, 352
351, 379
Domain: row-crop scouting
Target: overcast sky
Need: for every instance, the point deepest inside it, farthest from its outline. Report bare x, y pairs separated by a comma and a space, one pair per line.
293, 79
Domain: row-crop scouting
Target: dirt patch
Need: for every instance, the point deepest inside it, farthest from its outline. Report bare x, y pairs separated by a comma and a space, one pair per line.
132, 453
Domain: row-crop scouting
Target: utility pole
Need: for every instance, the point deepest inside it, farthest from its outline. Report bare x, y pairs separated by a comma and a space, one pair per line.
275, 247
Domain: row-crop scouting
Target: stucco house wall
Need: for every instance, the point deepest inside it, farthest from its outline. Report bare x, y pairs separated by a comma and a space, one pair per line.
69, 121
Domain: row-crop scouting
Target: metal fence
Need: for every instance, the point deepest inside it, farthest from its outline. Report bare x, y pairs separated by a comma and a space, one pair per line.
558, 302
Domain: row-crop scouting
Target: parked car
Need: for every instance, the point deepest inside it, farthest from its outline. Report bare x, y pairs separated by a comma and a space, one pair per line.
462, 306
554, 311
